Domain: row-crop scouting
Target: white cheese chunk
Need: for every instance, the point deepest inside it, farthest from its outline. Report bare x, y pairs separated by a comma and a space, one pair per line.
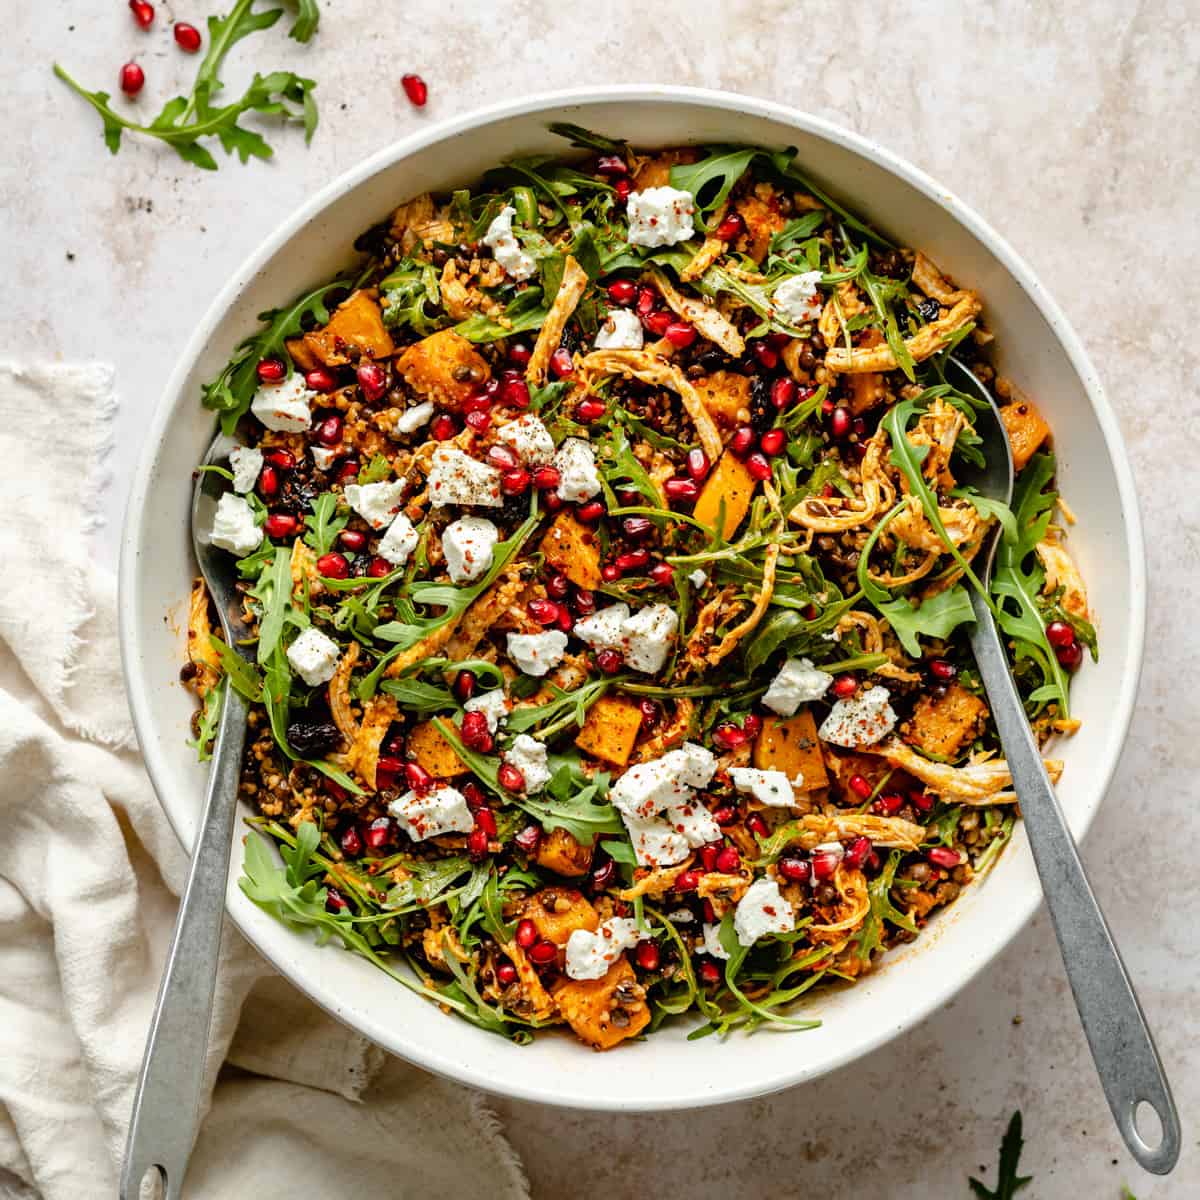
664, 782
697, 579
772, 788
576, 463
590, 955
693, 822
428, 814
760, 911
399, 542
655, 843
234, 528
536, 653
621, 329
493, 705
697, 764
457, 478
245, 462
528, 755
505, 247
649, 635
468, 544
284, 407
860, 721
660, 216
376, 503
712, 942
324, 457
314, 656
529, 438
415, 418
797, 683
605, 628
797, 300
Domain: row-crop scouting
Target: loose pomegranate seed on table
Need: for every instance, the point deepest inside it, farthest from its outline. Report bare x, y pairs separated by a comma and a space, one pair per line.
333, 565
143, 12
187, 37
415, 89
510, 778
270, 370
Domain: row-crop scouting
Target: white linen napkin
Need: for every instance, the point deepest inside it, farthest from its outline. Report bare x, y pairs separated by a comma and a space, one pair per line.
89, 875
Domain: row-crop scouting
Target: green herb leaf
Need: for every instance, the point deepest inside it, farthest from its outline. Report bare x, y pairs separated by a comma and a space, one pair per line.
274, 592
528, 311
585, 139
210, 718
324, 524
421, 699
308, 17
870, 937
243, 676
712, 178
1008, 1182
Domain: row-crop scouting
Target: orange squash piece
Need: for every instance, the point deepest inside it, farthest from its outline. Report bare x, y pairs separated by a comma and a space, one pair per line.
731, 483
865, 391
1026, 428
591, 1007
791, 745
431, 751
357, 322
444, 368
610, 729
726, 397
571, 547
944, 725
763, 221
557, 912
558, 851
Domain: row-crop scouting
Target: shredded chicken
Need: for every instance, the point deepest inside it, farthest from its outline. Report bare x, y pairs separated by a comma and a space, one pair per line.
933, 283
339, 695
836, 514
708, 321
854, 902
570, 292
669, 735
657, 883
762, 602
838, 309
200, 650
980, 782
926, 341
1062, 572
363, 756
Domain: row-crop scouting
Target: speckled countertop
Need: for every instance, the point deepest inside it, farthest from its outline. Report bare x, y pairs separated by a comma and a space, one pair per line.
1071, 128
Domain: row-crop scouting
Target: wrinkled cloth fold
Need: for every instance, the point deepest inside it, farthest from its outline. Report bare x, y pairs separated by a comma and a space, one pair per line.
89, 875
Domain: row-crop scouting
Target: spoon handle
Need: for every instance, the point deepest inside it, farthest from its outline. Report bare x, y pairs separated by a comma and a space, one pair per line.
166, 1106
1122, 1047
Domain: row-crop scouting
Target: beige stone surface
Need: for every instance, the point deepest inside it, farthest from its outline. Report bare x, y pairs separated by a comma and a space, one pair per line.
1072, 128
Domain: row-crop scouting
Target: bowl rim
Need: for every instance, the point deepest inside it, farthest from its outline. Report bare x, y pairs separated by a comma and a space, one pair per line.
956, 210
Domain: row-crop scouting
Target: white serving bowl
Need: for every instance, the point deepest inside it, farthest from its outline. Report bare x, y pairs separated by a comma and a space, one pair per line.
1036, 346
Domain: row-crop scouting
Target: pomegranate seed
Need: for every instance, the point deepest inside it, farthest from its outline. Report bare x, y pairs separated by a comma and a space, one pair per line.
551, 502
373, 380
728, 736
417, 777
742, 440
280, 458
939, 668
590, 410
943, 856
279, 525
333, 565
778, 340
1059, 633
647, 301
783, 393
859, 426
515, 393
352, 539
561, 363
610, 573
528, 839
464, 686
477, 844
379, 833
889, 805
710, 913
443, 427
873, 863
506, 973
632, 560
268, 481
585, 602
709, 972
510, 778
349, 470
334, 900
623, 187
473, 795
502, 458
527, 932
611, 164
758, 466
478, 402
519, 353
609, 661
839, 422
728, 861
478, 421
637, 527
558, 586
475, 733
698, 465
514, 482
187, 37
752, 725
143, 13
772, 442
390, 766
622, 292
921, 801
825, 863
731, 228
860, 786
543, 953
546, 479
602, 875
658, 322
680, 334
270, 370
651, 713
415, 89
856, 852
592, 511
320, 380
683, 491
1069, 656
351, 841
687, 881
378, 567
798, 870
663, 574
767, 356
844, 686
647, 956
329, 431
757, 825
708, 856
827, 405
485, 819
544, 612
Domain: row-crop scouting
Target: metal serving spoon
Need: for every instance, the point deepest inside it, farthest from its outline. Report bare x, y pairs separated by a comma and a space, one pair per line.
166, 1107
1122, 1047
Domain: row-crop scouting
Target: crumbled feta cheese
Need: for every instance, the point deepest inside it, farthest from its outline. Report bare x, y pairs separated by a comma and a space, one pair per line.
590, 955
399, 542
620, 330
665, 785
697, 579
797, 683
797, 300
505, 247
468, 544
245, 462
457, 478
535, 653
376, 503
528, 755
428, 814
493, 705
234, 528
712, 942
649, 634
314, 656
649, 787
576, 465
693, 822
760, 911
412, 419
697, 764
284, 407
529, 439
324, 457
771, 788
860, 721
604, 629
655, 843
682, 916
660, 216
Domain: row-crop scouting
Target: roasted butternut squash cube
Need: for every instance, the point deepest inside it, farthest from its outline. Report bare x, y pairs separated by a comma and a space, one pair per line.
865, 391
597, 1014
558, 851
444, 368
730, 483
610, 729
791, 745
843, 765
431, 751
303, 359
656, 170
726, 397
1026, 428
357, 322
763, 221
557, 912
943, 725
571, 547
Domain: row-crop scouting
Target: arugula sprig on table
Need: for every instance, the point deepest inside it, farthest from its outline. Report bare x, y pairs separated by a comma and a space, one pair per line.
1008, 1182
185, 120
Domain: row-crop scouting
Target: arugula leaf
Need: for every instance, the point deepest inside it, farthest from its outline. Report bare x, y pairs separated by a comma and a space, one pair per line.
427, 881
210, 718
323, 524
1008, 1182
567, 708
585, 139
722, 168
376, 470
870, 937
418, 697
244, 676
308, 17
528, 311
274, 592
877, 290
406, 290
